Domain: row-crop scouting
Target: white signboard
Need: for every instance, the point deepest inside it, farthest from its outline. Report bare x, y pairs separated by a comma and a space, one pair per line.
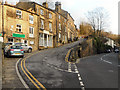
31, 42
46, 32
1, 39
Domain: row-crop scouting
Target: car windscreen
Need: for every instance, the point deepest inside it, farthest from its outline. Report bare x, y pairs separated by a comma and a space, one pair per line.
8, 43
18, 44
16, 47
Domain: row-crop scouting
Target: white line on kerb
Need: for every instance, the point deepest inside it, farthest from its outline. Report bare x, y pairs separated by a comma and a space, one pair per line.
79, 77
20, 77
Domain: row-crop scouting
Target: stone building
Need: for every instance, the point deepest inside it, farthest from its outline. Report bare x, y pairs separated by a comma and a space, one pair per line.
37, 25
61, 24
20, 26
46, 21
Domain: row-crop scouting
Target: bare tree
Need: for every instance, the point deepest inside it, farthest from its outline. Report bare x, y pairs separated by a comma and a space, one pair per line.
97, 19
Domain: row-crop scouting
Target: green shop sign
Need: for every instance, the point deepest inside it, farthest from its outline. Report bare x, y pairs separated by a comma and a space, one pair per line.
18, 35
0, 35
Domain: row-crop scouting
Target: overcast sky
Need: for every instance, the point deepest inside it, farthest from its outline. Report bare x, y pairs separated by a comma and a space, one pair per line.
78, 9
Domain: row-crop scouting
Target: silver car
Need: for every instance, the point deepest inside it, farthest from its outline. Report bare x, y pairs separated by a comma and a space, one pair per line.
25, 47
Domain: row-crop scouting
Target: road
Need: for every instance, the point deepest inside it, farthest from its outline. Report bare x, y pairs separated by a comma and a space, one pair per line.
99, 71
48, 69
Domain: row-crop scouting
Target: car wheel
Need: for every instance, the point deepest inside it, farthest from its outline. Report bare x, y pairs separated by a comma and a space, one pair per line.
8, 54
29, 50
22, 56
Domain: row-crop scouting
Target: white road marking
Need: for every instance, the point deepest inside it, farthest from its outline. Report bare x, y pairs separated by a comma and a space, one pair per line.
81, 83
69, 67
105, 60
79, 77
83, 88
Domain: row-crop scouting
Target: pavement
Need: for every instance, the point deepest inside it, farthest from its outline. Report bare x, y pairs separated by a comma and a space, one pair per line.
10, 79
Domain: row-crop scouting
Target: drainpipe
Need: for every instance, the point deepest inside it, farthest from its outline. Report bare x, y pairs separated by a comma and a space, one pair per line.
3, 20
56, 30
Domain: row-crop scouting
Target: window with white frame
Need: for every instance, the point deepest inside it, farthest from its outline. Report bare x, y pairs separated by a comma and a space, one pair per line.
59, 26
50, 26
65, 29
65, 20
50, 15
31, 19
59, 16
18, 28
18, 14
42, 24
59, 35
31, 32
41, 12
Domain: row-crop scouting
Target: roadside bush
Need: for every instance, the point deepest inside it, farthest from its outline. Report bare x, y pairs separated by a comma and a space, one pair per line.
99, 45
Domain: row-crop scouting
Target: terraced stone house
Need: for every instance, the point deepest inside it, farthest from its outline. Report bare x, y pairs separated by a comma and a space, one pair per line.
37, 25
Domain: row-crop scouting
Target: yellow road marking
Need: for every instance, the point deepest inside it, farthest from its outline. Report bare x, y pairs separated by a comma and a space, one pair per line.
28, 76
33, 77
31, 74
66, 58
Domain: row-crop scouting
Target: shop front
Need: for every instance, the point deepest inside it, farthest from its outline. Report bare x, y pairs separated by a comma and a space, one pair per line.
17, 38
45, 40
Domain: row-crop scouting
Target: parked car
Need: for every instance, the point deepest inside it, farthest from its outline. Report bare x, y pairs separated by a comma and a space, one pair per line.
108, 51
9, 43
116, 51
13, 50
25, 47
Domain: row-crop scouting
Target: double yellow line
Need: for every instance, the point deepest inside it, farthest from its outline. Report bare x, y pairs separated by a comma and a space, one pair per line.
34, 81
67, 56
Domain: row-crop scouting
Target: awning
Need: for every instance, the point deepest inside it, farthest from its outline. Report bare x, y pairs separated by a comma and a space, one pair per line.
18, 35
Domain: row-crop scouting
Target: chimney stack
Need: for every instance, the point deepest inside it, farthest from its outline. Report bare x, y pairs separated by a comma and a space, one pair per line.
45, 4
58, 6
